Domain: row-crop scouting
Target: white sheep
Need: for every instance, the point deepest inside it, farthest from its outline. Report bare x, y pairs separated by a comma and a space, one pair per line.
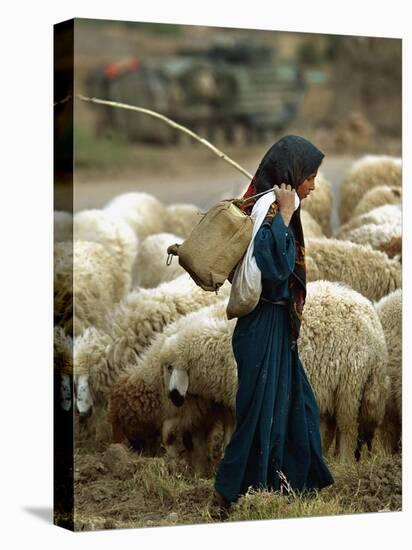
70, 390
150, 267
319, 203
366, 173
63, 367
87, 283
130, 326
342, 347
63, 226
377, 196
389, 213
182, 218
389, 309
114, 234
311, 228
343, 350
368, 271
143, 212
139, 403
386, 237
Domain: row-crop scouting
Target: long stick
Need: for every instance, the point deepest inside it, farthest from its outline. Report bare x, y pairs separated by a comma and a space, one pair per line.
171, 123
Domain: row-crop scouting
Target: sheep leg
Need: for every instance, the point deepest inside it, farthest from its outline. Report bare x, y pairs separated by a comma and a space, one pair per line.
117, 433
389, 434
347, 423
229, 426
328, 430
215, 441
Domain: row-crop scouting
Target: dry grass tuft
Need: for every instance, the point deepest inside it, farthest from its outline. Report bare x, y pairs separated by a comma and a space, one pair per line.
156, 491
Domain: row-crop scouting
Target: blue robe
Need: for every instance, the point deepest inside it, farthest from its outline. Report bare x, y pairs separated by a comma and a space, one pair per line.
277, 416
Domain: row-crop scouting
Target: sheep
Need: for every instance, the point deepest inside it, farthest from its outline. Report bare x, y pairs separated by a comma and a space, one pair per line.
202, 445
202, 352
389, 309
342, 348
69, 384
386, 237
319, 204
63, 226
87, 283
366, 173
150, 268
130, 326
368, 271
63, 367
182, 218
114, 234
389, 213
144, 213
139, 405
311, 228
377, 196
392, 247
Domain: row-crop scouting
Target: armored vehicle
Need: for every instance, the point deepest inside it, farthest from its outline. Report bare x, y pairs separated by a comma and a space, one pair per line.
237, 93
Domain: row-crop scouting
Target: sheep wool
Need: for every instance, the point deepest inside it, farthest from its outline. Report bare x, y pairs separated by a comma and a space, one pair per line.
311, 228
130, 327
386, 237
366, 173
377, 196
389, 309
319, 204
139, 402
87, 283
342, 347
63, 351
150, 268
201, 446
182, 218
203, 349
343, 350
144, 213
389, 213
115, 235
367, 271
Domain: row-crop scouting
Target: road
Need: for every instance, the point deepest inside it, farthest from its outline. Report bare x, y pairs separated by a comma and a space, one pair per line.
200, 180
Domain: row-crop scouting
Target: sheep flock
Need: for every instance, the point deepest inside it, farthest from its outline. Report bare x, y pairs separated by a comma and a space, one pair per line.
144, 357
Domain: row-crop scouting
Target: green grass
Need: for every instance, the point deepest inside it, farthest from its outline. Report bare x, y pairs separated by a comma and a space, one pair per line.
100, 153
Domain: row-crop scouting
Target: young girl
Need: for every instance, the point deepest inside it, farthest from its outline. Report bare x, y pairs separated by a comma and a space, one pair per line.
277, 433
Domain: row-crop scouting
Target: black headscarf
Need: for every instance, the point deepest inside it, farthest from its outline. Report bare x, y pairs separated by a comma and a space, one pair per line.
290, 160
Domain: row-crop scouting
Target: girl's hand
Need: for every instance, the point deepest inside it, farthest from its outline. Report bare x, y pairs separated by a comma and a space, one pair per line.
285, 197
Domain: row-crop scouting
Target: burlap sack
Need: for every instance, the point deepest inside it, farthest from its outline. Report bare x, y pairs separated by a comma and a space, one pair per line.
216, 244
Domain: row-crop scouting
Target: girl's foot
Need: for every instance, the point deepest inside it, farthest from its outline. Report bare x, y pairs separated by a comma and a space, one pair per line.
219, 507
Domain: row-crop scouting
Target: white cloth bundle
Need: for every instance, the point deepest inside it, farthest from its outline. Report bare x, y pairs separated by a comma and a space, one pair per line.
247, 279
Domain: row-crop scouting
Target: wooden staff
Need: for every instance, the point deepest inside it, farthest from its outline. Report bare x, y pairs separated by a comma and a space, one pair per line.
171, 123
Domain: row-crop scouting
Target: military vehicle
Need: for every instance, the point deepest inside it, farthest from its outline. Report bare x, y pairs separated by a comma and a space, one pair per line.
238, 93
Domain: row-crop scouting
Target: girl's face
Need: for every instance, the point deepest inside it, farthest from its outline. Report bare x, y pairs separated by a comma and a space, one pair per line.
306, 186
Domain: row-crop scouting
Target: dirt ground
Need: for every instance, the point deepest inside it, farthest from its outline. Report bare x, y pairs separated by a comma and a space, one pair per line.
120, 488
